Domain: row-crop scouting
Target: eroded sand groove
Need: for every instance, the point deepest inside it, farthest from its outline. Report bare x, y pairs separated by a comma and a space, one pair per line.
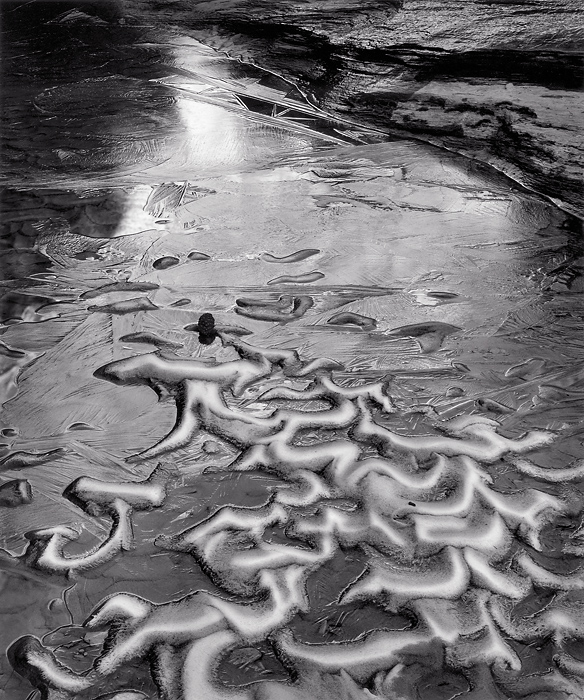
439, 541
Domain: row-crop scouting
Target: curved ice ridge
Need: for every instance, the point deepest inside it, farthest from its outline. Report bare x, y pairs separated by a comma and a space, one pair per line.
278, 311
46, 548
440, 541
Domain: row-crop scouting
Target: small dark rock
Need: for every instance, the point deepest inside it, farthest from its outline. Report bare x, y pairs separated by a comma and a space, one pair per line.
206, 324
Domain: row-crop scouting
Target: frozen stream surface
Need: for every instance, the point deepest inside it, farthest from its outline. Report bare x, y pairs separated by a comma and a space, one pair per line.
361, 478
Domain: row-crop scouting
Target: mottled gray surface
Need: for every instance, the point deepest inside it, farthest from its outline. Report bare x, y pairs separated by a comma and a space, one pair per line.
334, 450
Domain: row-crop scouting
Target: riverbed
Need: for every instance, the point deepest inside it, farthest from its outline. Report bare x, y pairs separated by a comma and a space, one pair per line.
291, 407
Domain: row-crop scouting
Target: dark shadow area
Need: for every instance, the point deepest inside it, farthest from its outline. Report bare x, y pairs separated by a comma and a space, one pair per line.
76, 92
